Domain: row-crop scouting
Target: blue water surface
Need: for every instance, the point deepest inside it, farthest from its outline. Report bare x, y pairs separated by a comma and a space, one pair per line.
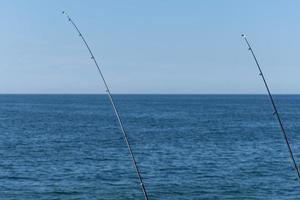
187, 147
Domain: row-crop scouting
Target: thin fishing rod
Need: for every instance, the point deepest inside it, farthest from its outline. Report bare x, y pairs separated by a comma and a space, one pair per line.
274, 107
114, 108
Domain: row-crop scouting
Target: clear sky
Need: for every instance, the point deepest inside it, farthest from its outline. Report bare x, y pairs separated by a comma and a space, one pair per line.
157, 46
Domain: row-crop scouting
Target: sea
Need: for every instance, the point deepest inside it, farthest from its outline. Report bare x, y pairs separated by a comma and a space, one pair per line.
188, 147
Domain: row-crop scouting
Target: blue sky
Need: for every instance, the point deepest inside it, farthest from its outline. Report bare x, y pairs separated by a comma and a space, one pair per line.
157, 46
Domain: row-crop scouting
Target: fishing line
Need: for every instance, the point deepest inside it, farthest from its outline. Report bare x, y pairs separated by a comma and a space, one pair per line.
274, 107
116, 112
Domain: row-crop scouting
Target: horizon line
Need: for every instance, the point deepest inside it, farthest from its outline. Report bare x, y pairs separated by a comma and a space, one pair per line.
148, 94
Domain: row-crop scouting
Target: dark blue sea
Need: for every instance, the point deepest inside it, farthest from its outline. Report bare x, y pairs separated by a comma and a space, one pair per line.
188, 147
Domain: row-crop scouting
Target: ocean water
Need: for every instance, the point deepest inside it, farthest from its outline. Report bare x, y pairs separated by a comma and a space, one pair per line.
187, 147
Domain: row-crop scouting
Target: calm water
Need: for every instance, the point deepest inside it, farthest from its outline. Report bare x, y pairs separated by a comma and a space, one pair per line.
187, 146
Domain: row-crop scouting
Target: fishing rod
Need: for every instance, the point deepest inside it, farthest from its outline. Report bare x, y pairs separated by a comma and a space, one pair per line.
116, 112
274, 107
